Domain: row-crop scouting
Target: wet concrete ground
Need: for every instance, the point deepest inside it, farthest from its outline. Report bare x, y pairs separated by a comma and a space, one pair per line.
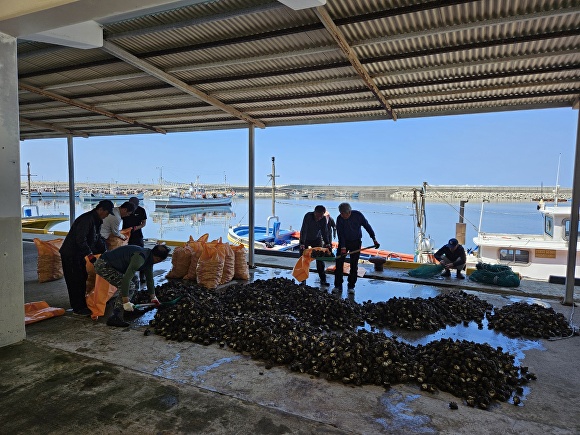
75, 375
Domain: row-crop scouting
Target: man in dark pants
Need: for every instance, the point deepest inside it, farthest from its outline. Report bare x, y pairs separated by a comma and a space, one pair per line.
136, 222
119, 266
452, 256
312, 234
83, 240
348, 227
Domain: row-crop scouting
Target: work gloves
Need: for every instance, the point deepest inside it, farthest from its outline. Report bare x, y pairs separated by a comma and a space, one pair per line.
92, 258
155, 301
128, 306
377, 244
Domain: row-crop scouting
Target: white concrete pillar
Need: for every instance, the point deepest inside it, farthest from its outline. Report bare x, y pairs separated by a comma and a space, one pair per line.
11, 267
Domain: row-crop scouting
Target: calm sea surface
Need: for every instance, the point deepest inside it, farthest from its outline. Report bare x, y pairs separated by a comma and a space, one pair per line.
393, 221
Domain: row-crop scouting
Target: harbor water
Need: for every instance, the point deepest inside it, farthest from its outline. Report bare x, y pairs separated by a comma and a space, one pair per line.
393, 221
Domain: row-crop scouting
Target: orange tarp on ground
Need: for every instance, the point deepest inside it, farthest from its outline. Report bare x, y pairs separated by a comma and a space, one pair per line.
37, 311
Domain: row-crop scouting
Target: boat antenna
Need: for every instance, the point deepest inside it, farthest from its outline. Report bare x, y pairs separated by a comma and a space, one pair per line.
557, 181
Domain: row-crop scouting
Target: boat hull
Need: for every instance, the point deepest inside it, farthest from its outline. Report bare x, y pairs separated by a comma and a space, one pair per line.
164, 201
42, 224
95, 197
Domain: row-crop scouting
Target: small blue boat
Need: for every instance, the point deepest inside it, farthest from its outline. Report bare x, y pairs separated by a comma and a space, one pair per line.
272, 238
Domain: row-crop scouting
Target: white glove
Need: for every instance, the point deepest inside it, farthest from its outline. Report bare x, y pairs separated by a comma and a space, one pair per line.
155, 300
128, 306
123, 237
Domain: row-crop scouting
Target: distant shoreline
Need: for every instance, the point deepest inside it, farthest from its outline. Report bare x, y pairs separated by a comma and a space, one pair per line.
433, 193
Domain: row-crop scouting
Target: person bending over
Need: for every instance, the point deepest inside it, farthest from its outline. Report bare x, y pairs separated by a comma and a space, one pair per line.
119, 266
452, 256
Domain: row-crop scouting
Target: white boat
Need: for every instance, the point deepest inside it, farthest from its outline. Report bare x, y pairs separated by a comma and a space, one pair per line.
297, 194
116, 197
535, 256
185, 199
48, 193
345, 194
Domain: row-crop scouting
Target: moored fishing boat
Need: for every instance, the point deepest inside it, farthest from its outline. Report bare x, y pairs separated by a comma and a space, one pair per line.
265, 238
35, 223
115, 196
181, 199
541, 256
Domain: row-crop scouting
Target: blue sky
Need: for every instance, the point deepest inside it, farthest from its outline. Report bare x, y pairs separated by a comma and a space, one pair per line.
496, 149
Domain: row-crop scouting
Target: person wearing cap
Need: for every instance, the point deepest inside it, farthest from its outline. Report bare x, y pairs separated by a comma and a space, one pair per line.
348, 227
83, 240
119, 266
136, 222
313, 234
112, 223
452, 256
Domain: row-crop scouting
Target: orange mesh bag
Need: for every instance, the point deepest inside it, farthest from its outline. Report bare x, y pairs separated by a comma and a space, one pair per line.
302, 267
49, 266
210, 266
98, 291
98, 297
229, 264
114, 241
241, 269
197, 246
180, 262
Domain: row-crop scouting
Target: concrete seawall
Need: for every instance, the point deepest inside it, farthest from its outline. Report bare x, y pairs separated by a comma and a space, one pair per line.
403, 193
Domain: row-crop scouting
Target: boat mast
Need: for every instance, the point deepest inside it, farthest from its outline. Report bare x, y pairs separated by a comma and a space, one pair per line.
273, 178
557, 181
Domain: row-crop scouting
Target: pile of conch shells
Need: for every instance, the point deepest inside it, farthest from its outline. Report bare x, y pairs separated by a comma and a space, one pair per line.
310, 331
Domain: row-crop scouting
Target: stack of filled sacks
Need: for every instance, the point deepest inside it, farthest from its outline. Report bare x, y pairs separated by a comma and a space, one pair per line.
209, 263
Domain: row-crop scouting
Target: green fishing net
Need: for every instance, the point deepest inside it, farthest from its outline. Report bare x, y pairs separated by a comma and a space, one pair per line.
426, 271
497, 274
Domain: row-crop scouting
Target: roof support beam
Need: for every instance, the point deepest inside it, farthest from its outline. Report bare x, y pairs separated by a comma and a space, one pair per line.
353, 58
75, 103
53, 127
125, 56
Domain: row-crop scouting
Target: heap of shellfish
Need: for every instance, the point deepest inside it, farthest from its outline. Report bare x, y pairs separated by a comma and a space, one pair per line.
309, 331
531, 320
429, 314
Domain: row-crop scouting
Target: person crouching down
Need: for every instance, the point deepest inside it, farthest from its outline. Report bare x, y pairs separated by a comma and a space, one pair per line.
119, 266
452, 256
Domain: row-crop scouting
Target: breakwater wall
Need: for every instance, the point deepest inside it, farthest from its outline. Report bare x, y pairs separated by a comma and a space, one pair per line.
402, 193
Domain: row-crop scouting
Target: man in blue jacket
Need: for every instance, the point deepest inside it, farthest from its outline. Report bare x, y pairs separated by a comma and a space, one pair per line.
119, 266
348, 228
83, 240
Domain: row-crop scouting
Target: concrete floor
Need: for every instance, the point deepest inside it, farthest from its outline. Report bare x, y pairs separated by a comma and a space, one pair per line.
75, 375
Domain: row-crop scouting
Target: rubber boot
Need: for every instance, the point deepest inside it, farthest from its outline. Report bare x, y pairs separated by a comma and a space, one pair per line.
116, 319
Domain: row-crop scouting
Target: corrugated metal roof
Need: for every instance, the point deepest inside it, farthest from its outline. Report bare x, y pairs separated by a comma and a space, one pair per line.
236, 61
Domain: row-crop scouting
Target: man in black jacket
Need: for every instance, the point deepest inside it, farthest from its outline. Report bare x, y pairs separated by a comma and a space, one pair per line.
312, 234
83, 240
452, 256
